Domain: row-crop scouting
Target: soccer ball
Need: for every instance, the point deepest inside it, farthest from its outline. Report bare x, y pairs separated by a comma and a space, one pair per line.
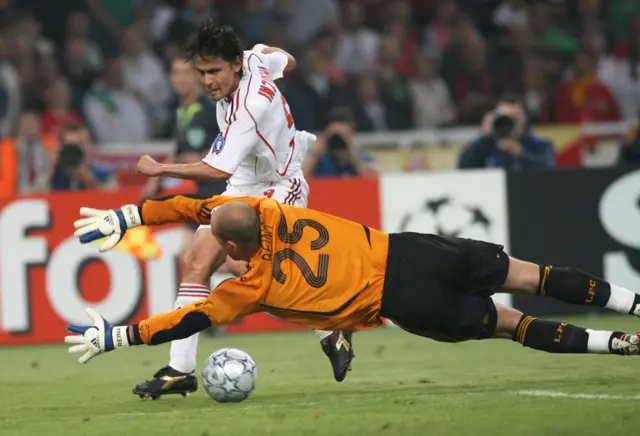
445, 216
229, 375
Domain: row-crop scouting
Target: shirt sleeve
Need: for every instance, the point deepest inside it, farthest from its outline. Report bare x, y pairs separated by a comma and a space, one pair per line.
184, 208
277, 62
240, 138
230, 300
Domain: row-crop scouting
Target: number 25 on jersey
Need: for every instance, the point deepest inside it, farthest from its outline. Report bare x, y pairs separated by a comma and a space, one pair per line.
315, 279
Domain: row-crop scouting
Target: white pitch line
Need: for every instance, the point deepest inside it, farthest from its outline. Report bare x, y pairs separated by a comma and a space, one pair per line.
245, 406
530, 393
557, 394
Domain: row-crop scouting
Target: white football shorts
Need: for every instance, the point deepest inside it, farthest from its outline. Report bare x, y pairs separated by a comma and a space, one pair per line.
293, 191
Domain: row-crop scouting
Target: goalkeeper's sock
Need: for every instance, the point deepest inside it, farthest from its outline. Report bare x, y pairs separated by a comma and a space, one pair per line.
182, 356
321, 334
577, 287
560, 337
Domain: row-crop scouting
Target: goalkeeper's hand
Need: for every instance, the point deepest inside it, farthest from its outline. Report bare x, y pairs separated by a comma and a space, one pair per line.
106, 223
91, 340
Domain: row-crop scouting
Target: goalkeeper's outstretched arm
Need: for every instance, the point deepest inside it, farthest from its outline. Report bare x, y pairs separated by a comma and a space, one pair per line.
113, 224
166, 327
178, 208
230, 300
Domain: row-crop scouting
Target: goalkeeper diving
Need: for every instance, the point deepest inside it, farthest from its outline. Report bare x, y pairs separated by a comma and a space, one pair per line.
325, 272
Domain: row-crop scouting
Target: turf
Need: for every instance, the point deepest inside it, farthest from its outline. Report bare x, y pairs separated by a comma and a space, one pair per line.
401, 385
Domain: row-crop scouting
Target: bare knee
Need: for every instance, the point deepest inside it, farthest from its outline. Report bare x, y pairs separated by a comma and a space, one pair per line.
523, 277
507, 321
202, 258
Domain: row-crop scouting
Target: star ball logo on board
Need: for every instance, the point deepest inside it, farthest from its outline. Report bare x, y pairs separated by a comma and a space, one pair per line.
469, 204
446, 216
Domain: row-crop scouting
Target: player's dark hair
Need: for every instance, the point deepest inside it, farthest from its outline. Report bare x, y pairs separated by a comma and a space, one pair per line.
211, 41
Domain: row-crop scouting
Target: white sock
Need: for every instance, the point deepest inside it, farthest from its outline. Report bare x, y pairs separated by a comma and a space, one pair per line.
621, 299
598, 341
321, 334
182, 356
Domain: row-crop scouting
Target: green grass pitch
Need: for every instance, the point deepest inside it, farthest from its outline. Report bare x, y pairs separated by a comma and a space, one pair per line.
400, 385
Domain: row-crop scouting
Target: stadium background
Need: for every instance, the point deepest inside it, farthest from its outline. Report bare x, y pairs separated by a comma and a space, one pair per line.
418, 76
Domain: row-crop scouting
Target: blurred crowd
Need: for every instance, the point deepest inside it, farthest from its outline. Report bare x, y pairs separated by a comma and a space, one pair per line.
396, 64
399, 64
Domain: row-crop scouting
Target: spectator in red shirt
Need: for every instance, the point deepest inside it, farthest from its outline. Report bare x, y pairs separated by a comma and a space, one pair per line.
59, 113
584, 98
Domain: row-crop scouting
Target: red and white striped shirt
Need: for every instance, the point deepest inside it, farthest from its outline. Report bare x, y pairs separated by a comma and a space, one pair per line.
259, 141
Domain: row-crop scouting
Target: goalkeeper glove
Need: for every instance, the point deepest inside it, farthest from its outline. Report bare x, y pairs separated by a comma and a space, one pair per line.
97, 338
101, 223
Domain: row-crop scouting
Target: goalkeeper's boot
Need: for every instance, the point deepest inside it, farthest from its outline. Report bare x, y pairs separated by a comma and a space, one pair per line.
626, 344
165, 382
339, 348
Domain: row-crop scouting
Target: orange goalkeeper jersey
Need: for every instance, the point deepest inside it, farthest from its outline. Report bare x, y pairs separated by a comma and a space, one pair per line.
312, 268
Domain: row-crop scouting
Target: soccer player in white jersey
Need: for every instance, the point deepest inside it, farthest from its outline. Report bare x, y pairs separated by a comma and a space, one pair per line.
259, 152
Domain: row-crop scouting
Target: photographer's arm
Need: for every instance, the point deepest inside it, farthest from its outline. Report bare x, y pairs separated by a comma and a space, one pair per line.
474, 153
83, 174
364, 168
310, 162
541, 154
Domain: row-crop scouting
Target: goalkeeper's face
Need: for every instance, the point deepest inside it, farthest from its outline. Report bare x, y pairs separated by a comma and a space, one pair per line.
219, 77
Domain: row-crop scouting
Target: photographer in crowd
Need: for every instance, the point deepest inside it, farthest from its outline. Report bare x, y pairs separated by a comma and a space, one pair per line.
74, 169
334, 153
507, 141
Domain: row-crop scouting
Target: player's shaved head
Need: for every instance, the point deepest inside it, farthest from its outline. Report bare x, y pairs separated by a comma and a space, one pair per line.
237, 222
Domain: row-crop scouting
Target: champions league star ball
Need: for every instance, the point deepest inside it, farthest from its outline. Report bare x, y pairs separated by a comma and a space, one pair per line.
229, 375
446, 216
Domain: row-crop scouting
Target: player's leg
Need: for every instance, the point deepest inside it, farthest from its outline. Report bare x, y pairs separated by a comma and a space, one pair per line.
204, 256
442, 289
561, 337
188, 233
565, 284
569, 285
337, 346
